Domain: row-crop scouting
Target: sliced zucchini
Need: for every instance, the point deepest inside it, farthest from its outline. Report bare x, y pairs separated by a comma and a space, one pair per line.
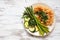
32, 29
36, 28
26, 19
26, 24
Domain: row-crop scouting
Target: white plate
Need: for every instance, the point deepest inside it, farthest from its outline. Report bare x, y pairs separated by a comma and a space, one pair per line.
50, 27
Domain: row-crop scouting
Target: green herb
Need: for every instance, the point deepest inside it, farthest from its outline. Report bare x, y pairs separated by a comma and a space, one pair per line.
41, 28
26, 15
32, 22
43, 15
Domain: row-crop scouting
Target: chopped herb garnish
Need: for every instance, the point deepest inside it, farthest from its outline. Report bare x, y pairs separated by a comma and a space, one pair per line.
32, 22
43, 15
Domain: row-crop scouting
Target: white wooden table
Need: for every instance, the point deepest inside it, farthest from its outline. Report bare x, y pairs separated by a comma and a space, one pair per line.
11, 27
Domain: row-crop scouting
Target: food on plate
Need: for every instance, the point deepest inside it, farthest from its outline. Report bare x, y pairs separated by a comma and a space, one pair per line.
37, 18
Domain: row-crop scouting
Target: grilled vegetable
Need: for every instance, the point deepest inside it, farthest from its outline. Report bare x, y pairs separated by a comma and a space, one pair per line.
26, 24
36, 28
26, 19
32, 29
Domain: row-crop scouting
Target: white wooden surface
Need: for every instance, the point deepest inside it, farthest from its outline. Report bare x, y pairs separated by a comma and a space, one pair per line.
11, 27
